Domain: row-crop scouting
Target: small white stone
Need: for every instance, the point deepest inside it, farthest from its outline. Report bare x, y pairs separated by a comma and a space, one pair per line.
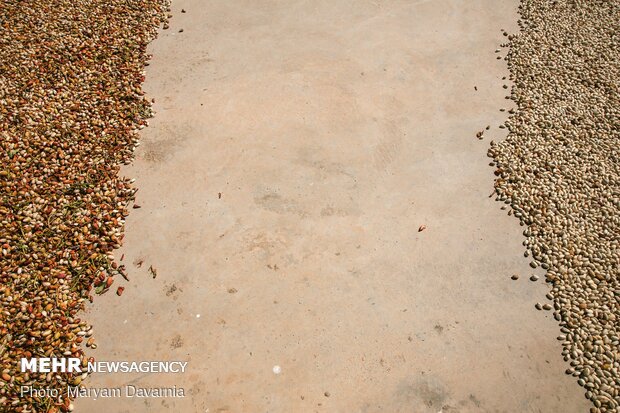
277, 369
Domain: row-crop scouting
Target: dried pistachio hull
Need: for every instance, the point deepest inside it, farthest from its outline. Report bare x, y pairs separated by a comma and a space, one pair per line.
70, 105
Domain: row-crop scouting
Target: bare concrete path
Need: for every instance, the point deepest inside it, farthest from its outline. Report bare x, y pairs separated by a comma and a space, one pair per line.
297, 149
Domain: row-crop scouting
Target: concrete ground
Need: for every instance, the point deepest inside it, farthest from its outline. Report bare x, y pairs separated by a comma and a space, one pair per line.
298, 146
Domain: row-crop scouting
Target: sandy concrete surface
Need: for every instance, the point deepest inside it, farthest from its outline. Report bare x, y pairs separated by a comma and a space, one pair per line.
297, 148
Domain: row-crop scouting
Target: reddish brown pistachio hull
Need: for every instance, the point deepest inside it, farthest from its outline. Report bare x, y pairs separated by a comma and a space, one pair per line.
70, 106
